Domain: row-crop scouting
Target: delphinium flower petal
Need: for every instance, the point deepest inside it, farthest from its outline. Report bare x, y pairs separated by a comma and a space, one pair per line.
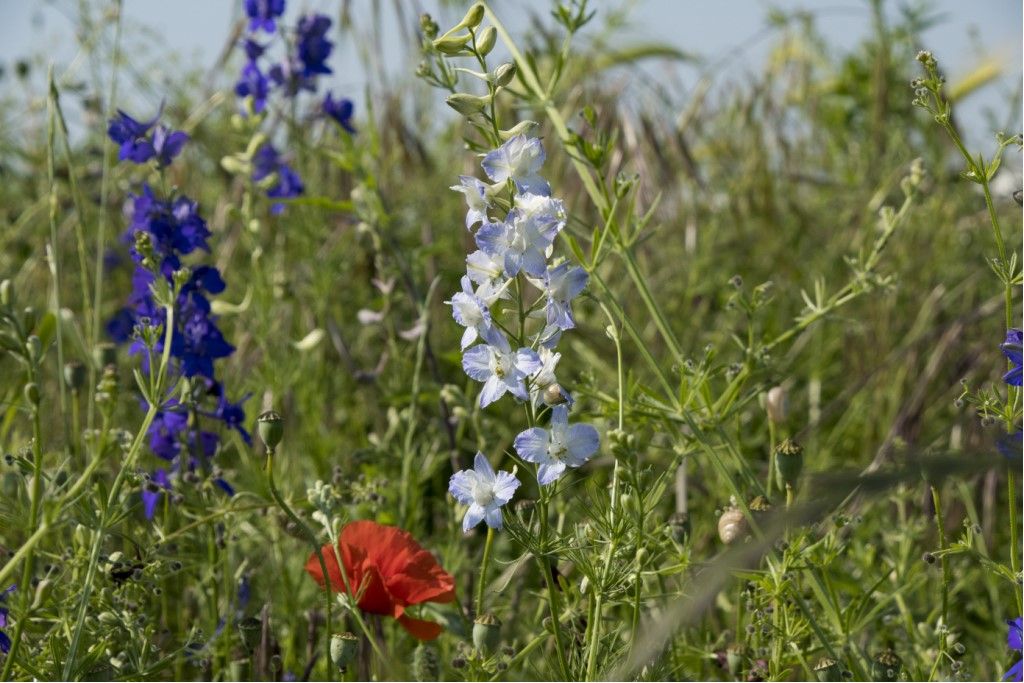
5, 641
562, 284
561, 446
313, 46
484, 491
1013, 641
500, 368
340, 110
476, 199
262, 14
1012, 350
519, 160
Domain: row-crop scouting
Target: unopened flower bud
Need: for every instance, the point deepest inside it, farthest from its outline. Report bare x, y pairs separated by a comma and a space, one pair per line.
428, 26
466, 104
34, 348
522, 128
452, 45
679, 526
473, 17
486, 40
42, 593
553, 395
734, 658
270, 426
425, 664
775, 404
7, 293
486, 633
344, 647
504, 74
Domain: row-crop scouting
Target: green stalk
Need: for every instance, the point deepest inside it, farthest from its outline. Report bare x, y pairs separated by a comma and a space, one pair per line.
942, 558
115, 490
482, 580
311, 537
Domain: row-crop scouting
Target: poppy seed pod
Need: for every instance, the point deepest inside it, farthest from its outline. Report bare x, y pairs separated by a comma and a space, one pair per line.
104, 354
828, 670
74, 375
425, 664
343, 649
775, 404
886, 666
789, 461
270, 426
732, 525
486, 633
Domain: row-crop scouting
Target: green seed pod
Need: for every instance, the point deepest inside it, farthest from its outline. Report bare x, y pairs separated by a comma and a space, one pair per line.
886, 666
270, 426
504, 74
486, 40
42, 593
425, 663
29, 318
108, 618
344, 647
473, 17
487, 633
7, 293
74, 375
452, 45
466, 104
250, 630
828, 670
34, 348
32, 394
789, 461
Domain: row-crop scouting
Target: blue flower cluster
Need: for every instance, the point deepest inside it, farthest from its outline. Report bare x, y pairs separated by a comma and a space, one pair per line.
519, 245
172, 228
305, 61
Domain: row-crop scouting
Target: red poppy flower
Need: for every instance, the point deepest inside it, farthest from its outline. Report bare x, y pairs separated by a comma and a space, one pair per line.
391, 569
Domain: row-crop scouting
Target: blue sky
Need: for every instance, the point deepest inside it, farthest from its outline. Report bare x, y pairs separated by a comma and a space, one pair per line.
196, 31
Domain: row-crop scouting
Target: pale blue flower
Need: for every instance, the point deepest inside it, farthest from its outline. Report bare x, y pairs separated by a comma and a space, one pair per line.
476, 199
482, 268
471, 309
547, 214
484, 491
562, 284
561, 446
500, 368
519, 243
519, 159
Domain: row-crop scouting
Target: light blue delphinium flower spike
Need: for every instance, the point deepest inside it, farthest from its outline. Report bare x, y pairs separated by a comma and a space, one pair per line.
519, 159
500, 368
561, 446
484, 491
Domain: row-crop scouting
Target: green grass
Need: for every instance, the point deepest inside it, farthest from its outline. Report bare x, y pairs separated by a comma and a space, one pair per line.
806, 227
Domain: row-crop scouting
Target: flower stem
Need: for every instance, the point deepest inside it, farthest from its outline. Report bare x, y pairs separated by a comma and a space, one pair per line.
482, 580
942, 547
311, 537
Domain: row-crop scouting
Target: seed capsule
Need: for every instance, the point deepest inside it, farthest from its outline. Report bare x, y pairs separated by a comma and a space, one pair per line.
343, 649
250, 629
789, 461
487, 633
828, 670
270, 426
886, 666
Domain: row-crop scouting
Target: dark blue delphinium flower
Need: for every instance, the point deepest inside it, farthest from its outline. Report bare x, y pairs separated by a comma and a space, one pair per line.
290, 75
268, 161
167, 144
151, 492
340, 110
166, 430
1009, 444
198, 343
232, 414
5, 641
262, 14
1012, 350
133, 137
1013, 641
313, 46
253, 83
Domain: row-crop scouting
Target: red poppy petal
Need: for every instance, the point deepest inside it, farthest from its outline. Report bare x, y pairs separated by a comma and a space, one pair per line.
376, 599
388, 547
314, 569
421, 580
420, 628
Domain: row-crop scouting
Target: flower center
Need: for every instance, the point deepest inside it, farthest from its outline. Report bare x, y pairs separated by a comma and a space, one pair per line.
483, 495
